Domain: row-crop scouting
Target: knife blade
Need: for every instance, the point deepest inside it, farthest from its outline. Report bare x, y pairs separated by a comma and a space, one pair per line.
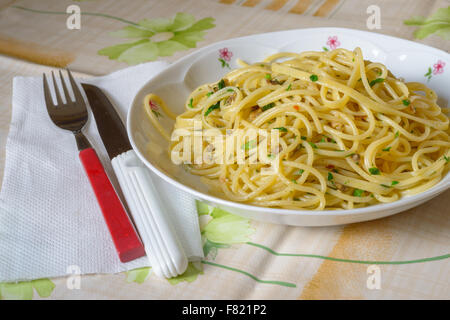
110, 127
147, 210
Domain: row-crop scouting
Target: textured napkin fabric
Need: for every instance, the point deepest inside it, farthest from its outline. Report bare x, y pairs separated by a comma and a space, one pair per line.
49, 218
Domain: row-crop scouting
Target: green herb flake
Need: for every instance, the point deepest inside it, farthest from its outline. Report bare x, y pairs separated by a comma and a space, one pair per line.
397, 134
268, 76
406, 102
313, 145
374, 171
289, 87
447, 159
303, 137
314, 78
387, 149
282, 129
393, 183
213, 107
358, 192
330, 176
249, 145
294, 181
221, 84
375, 81
384, 185
300, 171
268, 106
230, 90
190, 103
209, 93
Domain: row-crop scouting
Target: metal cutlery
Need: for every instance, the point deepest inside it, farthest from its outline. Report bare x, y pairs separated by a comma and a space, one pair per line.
161, 244
72, 116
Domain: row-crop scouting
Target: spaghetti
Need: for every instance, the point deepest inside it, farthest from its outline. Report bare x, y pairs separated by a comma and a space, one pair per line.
350, 133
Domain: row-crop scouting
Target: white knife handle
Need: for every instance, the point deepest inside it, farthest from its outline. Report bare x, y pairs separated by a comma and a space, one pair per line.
160, 241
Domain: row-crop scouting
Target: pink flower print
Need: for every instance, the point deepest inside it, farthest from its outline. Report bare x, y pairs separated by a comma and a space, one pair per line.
333, 42
225, 54
224, 57
438, 67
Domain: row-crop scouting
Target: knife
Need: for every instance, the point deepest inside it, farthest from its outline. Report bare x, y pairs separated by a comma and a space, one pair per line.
161, 244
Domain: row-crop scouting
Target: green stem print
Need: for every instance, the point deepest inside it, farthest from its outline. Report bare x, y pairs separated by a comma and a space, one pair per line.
152, 38
95, 14
281, 283
445, 256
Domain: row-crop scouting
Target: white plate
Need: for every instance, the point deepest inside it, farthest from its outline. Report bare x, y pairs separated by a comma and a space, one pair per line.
406, 59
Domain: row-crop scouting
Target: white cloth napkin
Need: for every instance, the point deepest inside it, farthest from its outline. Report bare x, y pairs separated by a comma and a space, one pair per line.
50, 222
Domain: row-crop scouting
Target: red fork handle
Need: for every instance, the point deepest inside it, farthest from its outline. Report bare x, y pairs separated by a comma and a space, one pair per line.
124, 236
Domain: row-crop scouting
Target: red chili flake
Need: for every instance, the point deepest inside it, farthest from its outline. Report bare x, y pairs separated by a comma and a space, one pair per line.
296, 107
330, 166
153, 105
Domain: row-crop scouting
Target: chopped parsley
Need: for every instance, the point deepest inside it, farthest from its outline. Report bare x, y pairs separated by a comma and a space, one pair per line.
397, 134
300, 171
190, 103
282, 129
268, 76
447, 159
358, 192
289, 87
230, 90
221, 84
294, 181
330, 176
406, 102
393, 183
249, 145
386, 149
374, 171
303, 137
213, 107
268, 106
314, 78
375, 81
209, 93
312, 145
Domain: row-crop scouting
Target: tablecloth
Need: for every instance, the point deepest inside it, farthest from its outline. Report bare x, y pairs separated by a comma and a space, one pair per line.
405, 256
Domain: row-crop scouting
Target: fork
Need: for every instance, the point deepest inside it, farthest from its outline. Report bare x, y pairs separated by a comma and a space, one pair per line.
72, 116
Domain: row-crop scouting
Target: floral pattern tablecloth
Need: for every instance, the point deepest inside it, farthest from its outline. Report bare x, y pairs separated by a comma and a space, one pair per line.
244, 259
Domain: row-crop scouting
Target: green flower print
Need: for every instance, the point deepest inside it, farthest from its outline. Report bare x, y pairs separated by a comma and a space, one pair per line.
222, 229
141, 274
438, 23
190, 275
158, 38
138, 275
24, 290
